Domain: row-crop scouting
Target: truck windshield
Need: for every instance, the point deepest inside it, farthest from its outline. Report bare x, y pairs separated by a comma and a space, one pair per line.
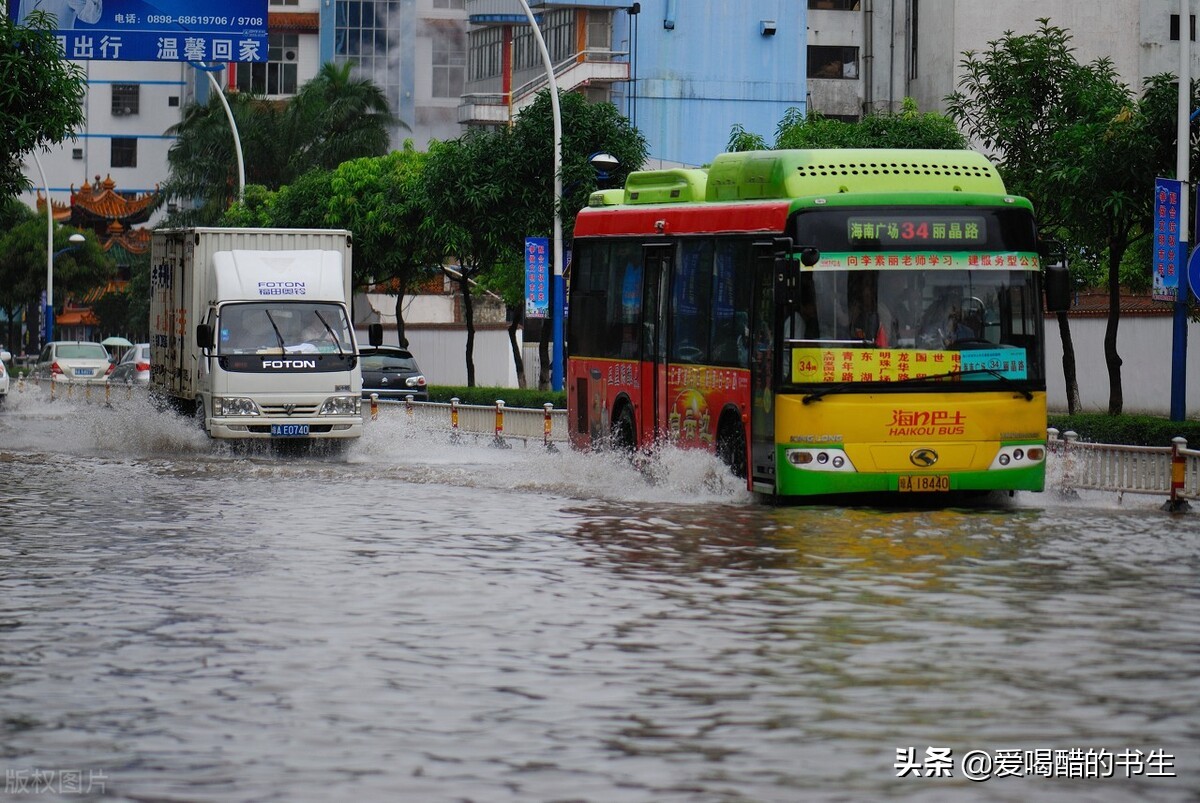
283, 327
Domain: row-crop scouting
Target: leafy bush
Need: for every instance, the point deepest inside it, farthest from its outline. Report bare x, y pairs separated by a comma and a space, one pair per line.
513, 397
1132, 430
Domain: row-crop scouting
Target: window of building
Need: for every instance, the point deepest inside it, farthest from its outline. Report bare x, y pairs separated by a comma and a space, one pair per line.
487, 53
835, 5
599, 30
1175, 27
125, 99
284, 2
173, 100
832, 62
449, 61
278, 74
449, 4
124, 152
366, 33
558, 29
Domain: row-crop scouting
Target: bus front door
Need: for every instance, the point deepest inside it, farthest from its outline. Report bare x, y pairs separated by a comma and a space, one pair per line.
762, 371
653, 404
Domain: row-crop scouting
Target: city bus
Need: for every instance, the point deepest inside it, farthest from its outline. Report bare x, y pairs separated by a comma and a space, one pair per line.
827, 322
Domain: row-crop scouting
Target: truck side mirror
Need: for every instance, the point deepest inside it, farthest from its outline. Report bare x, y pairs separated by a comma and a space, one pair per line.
375, 334
1058, 287
204, 336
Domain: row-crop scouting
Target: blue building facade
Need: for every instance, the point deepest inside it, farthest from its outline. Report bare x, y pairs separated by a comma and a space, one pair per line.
684, 71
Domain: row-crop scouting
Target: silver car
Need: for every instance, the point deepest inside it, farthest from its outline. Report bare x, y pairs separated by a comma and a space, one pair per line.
72, 361
133, 368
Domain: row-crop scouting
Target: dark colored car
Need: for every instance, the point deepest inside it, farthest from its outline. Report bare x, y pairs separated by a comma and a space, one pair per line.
391, 372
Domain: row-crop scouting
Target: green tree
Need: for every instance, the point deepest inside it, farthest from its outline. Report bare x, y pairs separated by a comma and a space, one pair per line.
40, 95
470, 212
23, 267
336, 117
587, 128
907, 128
333, 118
378, 198
1074, 140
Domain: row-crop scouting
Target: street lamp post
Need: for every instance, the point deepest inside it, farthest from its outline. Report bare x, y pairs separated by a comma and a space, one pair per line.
77, 241
558, 287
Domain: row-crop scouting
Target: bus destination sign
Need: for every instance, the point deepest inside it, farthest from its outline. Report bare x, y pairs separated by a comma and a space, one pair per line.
911, 230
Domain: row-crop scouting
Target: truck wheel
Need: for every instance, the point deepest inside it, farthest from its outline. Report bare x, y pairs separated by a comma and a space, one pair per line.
198, 415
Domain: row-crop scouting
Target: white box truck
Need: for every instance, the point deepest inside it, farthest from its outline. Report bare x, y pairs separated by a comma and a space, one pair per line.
250, 331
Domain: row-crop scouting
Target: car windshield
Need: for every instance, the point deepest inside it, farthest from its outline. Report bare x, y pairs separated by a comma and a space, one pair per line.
383, 362
81, 351
283, 328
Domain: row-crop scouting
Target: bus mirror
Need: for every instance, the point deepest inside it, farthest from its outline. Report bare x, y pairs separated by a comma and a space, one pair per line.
375, 334
204, 336
809, 256
1058, 287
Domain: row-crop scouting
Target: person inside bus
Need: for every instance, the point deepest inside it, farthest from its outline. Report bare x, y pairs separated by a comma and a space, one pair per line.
865, 321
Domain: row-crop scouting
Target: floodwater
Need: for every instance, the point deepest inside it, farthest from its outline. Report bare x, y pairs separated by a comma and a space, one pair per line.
418, 621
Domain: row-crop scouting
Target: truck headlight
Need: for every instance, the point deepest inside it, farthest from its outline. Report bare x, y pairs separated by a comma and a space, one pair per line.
342, 405
234, 405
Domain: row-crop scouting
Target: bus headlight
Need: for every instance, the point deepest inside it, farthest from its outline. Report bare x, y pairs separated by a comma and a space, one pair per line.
341, 405
234, 405
1018, 457
820, 459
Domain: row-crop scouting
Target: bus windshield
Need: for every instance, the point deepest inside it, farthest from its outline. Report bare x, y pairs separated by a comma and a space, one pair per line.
911, 294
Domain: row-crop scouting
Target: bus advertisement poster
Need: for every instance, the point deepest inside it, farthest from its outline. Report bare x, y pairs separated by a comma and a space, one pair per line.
1166, 239
537, 277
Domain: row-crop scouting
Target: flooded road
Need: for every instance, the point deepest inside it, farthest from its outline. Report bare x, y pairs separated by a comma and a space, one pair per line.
417, 621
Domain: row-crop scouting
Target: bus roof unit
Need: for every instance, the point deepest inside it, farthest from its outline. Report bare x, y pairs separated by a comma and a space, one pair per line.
752, 175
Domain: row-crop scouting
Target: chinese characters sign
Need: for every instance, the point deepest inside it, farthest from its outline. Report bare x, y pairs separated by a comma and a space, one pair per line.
166, 30
815, 365
933, 260
1166, 239
537, 279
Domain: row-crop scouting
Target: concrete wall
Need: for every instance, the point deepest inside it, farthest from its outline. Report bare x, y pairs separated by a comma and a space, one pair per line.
1144, 343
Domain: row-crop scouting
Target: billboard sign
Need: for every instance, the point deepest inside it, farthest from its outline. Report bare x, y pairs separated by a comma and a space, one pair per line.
537, 279
1166, 257
155, 30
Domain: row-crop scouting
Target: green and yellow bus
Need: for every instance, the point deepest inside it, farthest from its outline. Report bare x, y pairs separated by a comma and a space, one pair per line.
826, 321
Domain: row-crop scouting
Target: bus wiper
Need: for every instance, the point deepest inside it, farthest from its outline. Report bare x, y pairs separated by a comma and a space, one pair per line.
337, 341
817, 395
278, 334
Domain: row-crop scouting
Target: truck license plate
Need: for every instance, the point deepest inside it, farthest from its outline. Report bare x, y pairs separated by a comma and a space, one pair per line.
289, 430
920, 483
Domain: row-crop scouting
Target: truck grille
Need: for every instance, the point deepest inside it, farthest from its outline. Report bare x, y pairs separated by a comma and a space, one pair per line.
290, 409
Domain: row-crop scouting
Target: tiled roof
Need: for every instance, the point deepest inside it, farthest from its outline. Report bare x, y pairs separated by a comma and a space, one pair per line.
1094, 304
99, 202
293, 22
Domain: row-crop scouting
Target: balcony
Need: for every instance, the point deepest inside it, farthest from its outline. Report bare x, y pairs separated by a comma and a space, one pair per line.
584, 68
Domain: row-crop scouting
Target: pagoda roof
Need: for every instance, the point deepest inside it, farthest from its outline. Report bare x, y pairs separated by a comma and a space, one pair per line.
100, 203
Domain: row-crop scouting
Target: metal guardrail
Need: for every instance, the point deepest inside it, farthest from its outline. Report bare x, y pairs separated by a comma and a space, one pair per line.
1173, 471
499, 421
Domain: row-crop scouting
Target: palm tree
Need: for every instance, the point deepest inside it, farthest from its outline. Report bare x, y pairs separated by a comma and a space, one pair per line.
335, 118
332, 119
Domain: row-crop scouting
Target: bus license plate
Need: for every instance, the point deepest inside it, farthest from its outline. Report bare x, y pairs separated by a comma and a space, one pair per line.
922, 483
289, 430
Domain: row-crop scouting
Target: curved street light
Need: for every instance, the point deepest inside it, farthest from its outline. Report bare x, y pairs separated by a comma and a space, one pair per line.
77, 240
